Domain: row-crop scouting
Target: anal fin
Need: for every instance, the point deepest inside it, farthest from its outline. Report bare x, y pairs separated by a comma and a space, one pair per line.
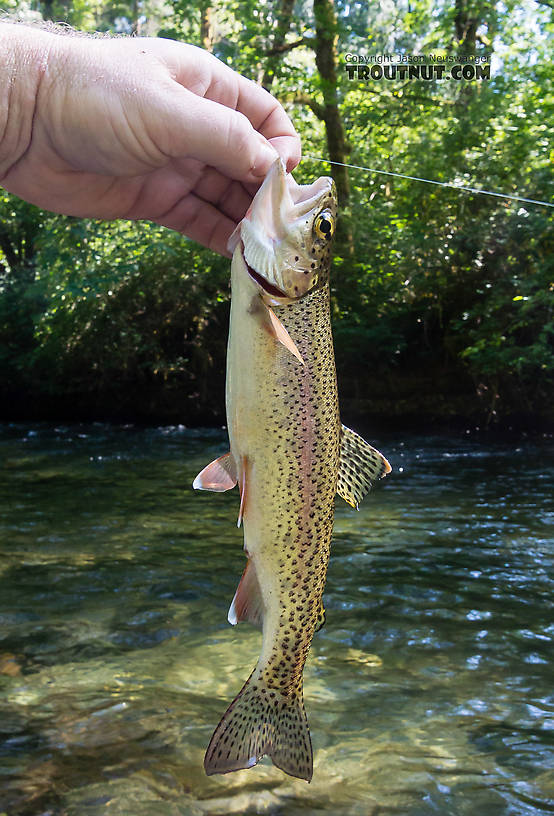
359, 466
247, 603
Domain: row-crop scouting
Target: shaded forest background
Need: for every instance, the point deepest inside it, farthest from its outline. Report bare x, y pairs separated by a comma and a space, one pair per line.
442, 300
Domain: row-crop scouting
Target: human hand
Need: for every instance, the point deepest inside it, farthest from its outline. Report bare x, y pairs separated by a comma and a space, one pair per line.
139, 128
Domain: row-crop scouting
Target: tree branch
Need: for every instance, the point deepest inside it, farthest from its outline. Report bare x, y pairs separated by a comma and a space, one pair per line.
282, 48
306, 99
273, 58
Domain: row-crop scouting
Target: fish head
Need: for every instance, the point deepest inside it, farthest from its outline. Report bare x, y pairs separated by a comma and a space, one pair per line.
286, 235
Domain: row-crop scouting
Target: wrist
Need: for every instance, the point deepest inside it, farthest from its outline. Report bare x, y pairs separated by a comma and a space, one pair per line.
23, 60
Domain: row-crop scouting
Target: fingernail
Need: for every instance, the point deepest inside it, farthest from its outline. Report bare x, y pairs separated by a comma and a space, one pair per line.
292, 163
265, 158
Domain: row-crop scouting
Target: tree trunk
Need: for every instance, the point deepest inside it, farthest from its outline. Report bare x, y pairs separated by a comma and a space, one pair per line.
326, 61
136, 24
47, 9
206, 27
275, 54
466, 22
466, 27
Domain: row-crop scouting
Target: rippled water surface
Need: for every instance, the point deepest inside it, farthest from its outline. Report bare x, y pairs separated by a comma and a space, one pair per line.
429, 691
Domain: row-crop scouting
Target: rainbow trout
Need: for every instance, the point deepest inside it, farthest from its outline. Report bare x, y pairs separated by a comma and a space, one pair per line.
289, 456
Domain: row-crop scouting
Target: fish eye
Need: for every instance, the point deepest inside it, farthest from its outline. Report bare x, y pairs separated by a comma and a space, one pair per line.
324, 225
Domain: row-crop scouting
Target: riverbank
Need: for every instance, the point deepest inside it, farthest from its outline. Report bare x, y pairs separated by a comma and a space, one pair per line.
420, 401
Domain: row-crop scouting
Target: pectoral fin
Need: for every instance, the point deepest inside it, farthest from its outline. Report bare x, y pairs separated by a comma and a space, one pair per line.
219, 475
281, 334
359, 466
247, 603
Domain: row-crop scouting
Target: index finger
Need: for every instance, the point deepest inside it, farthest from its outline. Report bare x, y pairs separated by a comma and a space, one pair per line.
205, 75
268, 116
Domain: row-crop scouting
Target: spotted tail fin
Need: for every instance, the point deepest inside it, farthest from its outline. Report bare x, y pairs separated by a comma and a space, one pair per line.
262, 721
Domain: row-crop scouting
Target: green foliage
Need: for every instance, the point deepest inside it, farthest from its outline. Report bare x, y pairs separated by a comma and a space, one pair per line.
457, 284
21, 294
507, 334
146, 324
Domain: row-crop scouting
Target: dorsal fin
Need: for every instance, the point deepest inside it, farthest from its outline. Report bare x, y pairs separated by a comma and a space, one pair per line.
219, 475
359, 466
247, 603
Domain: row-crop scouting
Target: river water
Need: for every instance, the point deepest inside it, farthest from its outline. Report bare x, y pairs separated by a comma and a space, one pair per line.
428, 691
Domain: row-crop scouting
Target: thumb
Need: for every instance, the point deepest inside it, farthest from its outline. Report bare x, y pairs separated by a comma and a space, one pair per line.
219, 136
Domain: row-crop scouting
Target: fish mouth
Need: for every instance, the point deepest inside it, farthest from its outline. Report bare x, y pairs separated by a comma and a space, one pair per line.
269, 288
276, 296
271, 232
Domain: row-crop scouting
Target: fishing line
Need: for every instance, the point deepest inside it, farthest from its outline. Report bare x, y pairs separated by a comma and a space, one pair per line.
438, 183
